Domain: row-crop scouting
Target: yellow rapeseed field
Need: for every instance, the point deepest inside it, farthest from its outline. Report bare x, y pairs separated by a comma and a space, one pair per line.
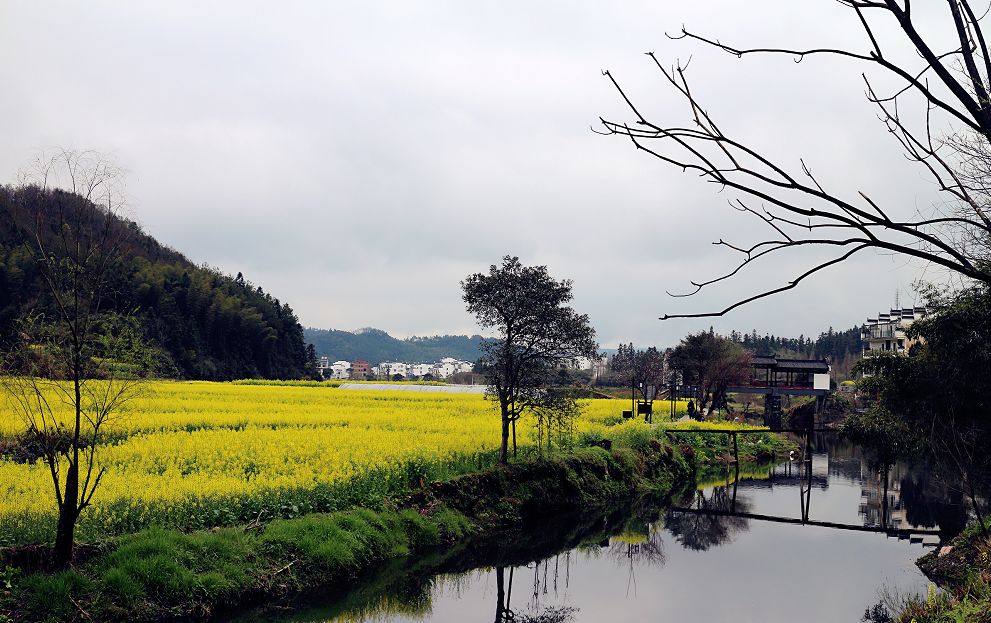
196, 454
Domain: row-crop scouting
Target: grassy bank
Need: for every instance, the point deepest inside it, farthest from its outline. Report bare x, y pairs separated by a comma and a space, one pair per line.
963, 572
163, 574
410, 582
160, 574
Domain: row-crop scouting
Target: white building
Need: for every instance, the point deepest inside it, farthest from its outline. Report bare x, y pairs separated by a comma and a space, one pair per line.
886, 333
392, 368
440, 370
449, 366
420, 369
340, 370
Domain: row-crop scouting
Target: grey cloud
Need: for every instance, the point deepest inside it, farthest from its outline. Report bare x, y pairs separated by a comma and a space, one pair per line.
359, 159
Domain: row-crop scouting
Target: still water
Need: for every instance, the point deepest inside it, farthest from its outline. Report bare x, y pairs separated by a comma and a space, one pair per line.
729, 555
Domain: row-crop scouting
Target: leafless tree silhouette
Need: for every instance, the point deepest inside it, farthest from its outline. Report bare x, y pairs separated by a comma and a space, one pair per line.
73, 371
953, 85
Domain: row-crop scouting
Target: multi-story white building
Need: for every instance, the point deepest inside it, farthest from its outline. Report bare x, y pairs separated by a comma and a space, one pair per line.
340, 370
449, 366
886, 333
419, 369
392, 368
389, 369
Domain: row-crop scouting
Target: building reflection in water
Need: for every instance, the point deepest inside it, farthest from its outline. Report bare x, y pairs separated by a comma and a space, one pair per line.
732, 503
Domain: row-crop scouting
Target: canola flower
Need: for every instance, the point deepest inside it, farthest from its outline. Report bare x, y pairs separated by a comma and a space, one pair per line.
198, 454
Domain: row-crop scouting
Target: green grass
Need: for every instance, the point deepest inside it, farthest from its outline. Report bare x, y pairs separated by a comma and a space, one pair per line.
157, 563
157, 570
49, 597
713, 448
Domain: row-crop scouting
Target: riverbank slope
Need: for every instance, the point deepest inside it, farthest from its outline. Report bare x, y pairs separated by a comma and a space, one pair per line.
962, 569
159, 574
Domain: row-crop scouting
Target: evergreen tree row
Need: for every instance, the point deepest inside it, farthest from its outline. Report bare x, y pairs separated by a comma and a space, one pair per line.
833, 344
842, 348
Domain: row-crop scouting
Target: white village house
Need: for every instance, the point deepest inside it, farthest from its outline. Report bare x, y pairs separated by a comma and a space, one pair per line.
340, 370
439, 370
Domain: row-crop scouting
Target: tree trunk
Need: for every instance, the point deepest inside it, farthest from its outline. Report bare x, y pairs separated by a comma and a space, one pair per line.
504, 448
973, 500
65, 531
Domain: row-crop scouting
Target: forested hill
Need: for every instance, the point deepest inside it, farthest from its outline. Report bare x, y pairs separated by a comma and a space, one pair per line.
207, 325
376, 346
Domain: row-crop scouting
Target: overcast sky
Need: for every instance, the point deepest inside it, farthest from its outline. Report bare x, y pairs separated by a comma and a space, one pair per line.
359, 159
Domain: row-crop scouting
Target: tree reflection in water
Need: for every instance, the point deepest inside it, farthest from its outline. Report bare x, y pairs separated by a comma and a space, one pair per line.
633, 538
699, 531
639, 544
540, 614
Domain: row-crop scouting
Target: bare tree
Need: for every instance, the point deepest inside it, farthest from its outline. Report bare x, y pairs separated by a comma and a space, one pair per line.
953, 85
640, 368
76, 363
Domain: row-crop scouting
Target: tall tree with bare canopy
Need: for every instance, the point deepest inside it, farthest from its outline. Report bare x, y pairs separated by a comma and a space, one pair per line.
538, 333
951, 87
75, 364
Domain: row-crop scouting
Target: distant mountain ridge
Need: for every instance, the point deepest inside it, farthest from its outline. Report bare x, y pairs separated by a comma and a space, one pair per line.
376, 346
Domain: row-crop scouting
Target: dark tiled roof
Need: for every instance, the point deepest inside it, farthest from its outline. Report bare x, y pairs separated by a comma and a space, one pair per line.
803, 364
785, 365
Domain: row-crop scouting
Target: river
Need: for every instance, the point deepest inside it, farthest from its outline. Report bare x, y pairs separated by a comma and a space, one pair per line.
731, 555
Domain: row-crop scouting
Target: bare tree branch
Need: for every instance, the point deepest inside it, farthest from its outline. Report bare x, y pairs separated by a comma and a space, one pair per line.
794, 206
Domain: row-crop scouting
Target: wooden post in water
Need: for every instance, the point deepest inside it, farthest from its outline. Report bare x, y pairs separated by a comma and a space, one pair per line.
736, 452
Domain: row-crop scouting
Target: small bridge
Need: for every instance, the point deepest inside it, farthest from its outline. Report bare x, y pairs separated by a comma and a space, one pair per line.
779, 376
774, 377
